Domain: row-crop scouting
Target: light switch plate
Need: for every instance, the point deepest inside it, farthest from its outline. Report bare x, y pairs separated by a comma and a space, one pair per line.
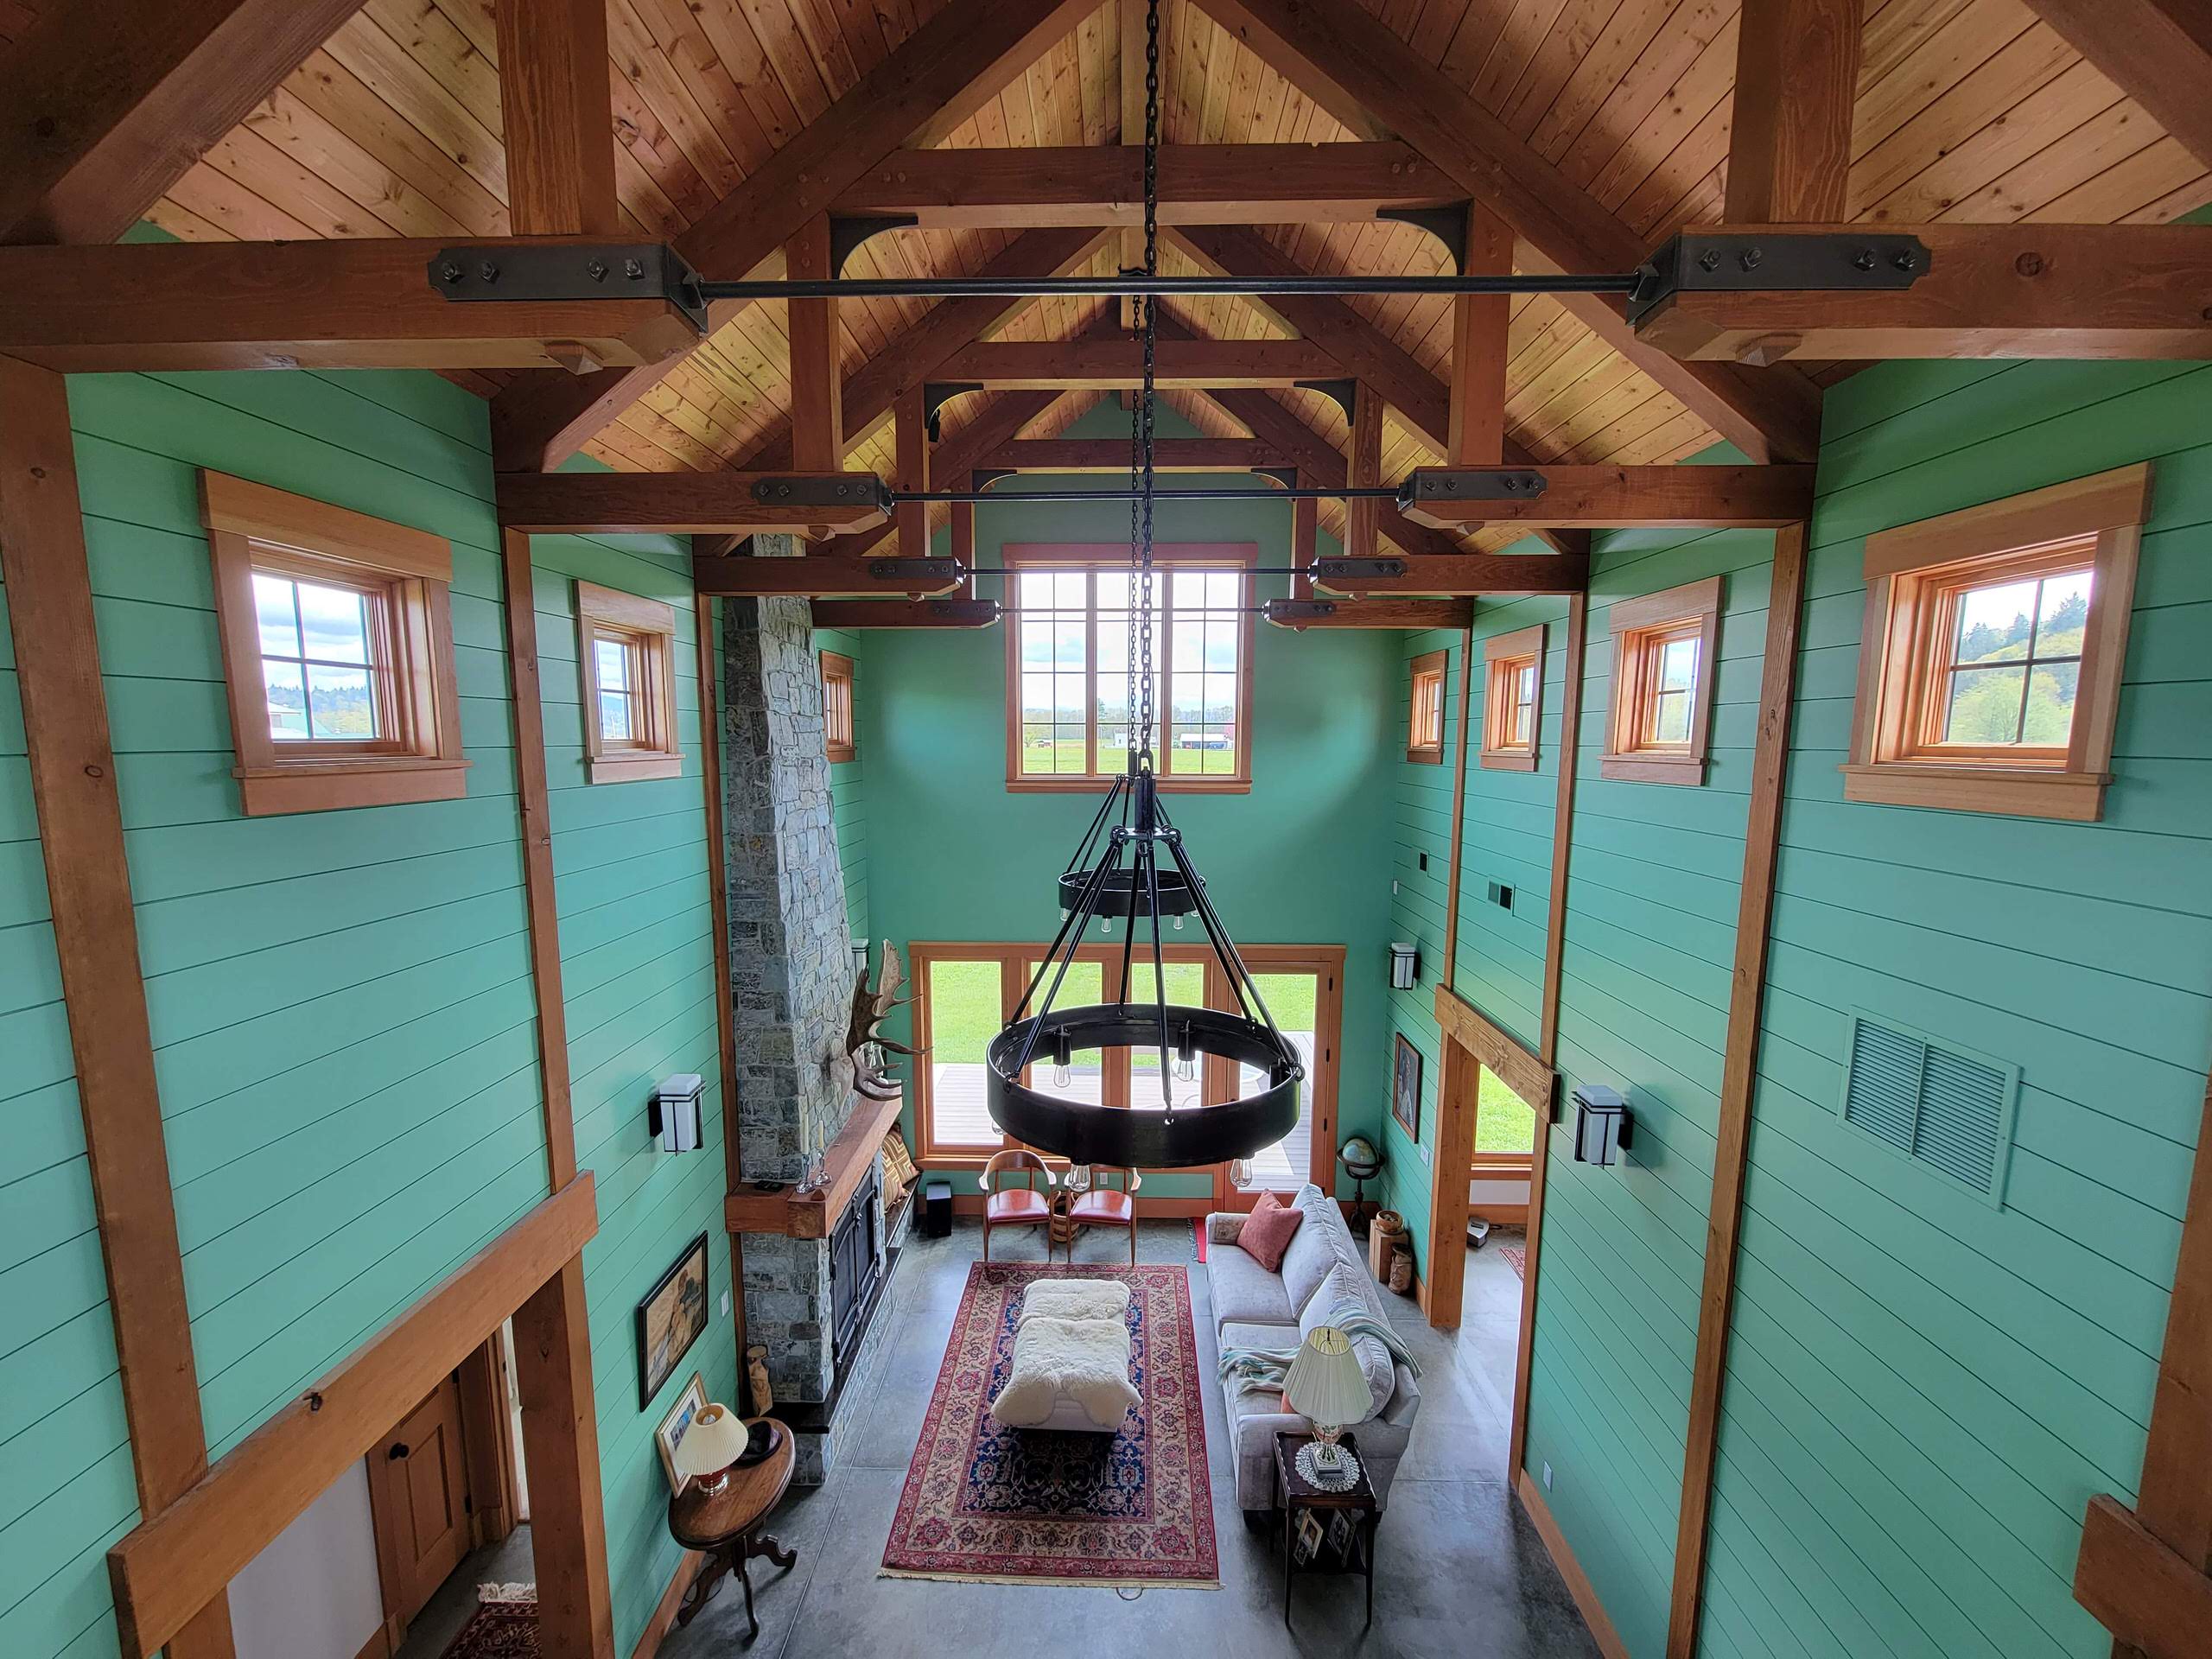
725, 1303
1547, 1477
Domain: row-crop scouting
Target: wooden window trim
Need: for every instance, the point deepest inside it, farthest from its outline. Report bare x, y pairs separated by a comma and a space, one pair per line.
1913, 574
1639, 627
838, 746
1110, 555
646, 628
1431, 668
407, 573
1504, 655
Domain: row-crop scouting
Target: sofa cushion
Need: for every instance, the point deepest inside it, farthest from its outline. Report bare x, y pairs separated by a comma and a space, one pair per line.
1344, 1289
1314, 1249
1267, 1231
1242, 1289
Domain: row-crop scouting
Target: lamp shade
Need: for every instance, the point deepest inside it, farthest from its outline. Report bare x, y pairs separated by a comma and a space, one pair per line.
715, 1440
1324, 1383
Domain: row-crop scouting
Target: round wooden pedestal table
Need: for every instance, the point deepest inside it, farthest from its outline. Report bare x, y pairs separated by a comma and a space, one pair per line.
725, 1526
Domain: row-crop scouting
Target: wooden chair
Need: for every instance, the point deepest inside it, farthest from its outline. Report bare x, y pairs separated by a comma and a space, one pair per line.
1105, 1207
1016, 1206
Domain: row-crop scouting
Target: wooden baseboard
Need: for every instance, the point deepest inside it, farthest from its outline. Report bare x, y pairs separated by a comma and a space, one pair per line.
1585, 1594
378, 1646
664, 1619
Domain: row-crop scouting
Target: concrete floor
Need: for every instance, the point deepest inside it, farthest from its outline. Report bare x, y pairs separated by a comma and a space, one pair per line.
1460, 1571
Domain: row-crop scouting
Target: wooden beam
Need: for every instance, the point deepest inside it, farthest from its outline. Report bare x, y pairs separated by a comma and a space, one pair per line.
1452, 858
560, 1450
110, 102
818, 402
174, 1563
1989, 290
1364, 470
1372, 613
73, 776
1112, 455
926, 86
1333, 52
362, 304
1479, 348
1796, 83
2154, 1601
1009, 189
682, 503
1521, 1070
997, 422
1459, 1093
1738, 1084
2158, 52
710, 771
1496, 576
912, 517
904, 613
1114, 362
812, 576
1611, 498
557, 115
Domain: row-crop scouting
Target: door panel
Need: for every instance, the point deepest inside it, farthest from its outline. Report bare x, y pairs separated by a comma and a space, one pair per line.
418, 1482
1294, 998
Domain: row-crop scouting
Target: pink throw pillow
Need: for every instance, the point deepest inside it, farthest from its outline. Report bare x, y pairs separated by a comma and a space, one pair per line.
1267, 1231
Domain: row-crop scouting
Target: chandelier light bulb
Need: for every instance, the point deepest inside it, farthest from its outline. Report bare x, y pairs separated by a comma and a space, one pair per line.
1186, 1070
1062, 1077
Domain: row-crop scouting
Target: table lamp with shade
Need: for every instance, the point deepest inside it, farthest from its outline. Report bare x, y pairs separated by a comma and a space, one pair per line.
715, 1442
1326, 1387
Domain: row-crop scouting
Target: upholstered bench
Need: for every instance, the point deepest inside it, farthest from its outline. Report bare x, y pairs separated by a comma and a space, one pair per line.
1070, 1366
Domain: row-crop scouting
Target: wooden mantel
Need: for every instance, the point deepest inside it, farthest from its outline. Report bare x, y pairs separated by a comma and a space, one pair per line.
793, 1214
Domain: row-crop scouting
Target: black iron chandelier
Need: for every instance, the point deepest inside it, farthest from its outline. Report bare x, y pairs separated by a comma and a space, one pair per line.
1132, 865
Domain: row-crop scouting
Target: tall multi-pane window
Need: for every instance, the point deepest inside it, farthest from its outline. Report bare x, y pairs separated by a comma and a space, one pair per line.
1425, 721
1664, 647
626, 648
1513, 688
1072, 713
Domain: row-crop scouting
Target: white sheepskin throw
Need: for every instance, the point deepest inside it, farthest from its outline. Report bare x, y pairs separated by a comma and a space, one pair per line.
1060, 1363
1075, 1298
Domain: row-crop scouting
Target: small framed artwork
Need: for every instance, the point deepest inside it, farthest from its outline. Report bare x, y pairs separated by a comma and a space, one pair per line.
1405, 1088
670, 1434
669, 1319
1307, 1542
1344, 1534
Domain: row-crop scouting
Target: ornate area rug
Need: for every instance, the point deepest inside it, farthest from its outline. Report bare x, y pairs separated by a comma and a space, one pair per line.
504, 1625
987, 1504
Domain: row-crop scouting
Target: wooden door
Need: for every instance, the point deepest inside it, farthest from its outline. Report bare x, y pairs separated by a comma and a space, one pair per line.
418, 1487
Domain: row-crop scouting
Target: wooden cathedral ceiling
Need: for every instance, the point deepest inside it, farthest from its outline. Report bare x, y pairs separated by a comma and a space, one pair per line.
1967, 109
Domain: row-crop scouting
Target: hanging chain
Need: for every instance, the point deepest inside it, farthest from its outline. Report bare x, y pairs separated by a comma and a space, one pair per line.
1148, 321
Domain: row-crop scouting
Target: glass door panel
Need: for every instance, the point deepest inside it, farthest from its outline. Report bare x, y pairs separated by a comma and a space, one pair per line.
1186, 985
1294, 999
962, 999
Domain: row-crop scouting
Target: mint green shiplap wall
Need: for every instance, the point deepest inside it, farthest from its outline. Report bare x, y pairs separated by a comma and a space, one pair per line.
630, 877
1644, 970
1924, 1390
341, 1001
848, 786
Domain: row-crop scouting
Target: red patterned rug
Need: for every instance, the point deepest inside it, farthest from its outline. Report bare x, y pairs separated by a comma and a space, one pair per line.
498, 1629
986, 1505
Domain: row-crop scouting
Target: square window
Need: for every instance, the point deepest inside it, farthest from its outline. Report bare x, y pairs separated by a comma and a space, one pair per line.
1989, 668
1664, 650
1513, 682
837, 707
338, 652
1425, 724
626, 654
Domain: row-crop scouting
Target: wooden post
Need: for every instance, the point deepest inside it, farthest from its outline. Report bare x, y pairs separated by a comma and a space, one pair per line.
1459, 1088
1363, 514
556, 103
1739, 1083
96, 942
1305, 540
963, 535
1478, 347
912, 436
1458, 810
560, 1440
818, 399
710, 766
1796, 83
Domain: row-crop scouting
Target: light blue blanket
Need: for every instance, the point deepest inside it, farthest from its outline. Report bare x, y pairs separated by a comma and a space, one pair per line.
1256, 1369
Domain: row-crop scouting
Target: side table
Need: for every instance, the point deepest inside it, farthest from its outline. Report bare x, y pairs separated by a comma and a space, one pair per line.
726, 1525
1300, 1498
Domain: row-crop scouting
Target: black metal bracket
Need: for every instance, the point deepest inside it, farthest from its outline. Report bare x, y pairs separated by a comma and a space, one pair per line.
1342, 393
570, 270
835, 490
1486, 484
983, 477
1703, 261
935, 394
1290, 613
1286, 476
1447, 224
893, 572
1334, 570
848, 233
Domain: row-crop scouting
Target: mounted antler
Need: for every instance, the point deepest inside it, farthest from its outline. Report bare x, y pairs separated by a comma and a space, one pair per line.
863, 1036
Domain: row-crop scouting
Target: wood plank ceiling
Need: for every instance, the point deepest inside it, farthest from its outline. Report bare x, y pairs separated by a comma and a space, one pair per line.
1968, 110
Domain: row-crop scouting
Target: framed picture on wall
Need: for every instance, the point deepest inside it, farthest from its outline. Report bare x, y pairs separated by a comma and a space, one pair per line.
670, 1434
1405, 1088
669, 1319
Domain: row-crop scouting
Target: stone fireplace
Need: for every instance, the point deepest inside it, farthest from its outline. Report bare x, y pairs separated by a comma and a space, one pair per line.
791, 979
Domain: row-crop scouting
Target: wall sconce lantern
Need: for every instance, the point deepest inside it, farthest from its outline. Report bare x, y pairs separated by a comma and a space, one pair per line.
1405, 966
674, 1113
860, 958
1602, 1124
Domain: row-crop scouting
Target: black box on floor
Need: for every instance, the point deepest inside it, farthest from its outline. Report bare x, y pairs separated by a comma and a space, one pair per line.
937, 1209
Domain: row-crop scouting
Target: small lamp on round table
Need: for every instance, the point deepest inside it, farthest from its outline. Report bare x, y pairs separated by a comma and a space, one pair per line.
715, 1442
1325, 1386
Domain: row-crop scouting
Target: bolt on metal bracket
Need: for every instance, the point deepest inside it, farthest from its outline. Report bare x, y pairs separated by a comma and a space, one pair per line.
836, 490
1710, 261
1291, 611
570, 270
897, 571
1485, 483
1353, 569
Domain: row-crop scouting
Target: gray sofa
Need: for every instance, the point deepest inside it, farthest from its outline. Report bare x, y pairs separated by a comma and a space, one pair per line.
1254, 1308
